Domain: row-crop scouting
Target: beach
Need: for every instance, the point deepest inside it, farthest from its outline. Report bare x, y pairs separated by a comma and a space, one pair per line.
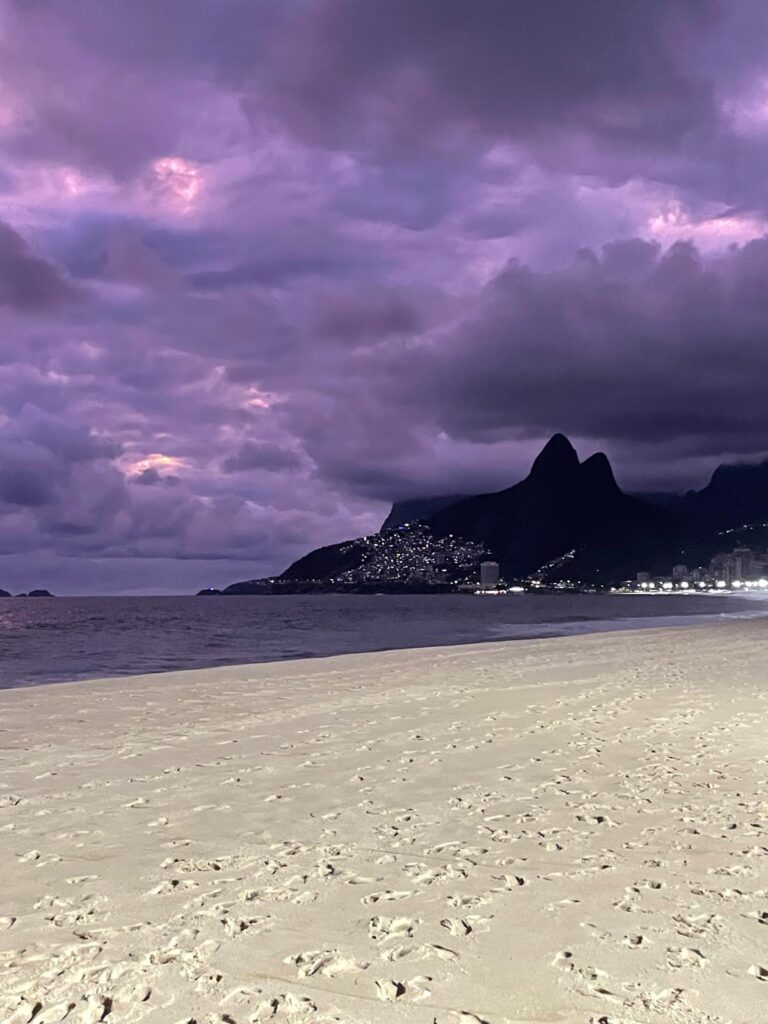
565, 830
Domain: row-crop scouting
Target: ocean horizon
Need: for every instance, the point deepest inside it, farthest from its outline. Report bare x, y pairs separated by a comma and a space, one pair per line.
76, 638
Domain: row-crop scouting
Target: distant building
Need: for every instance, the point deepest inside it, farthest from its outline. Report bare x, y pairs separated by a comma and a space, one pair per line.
743, 568
489, 575
743, 563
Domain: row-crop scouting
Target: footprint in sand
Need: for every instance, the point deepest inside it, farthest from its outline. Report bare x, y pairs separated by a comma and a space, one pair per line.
53, 1014
325, 962
465, 925
23, 1013
564, 960
413, 951
510, 882
684, 956
390, 991
172, 885
468, 902
91, 1010
286, 1004
381, 928
388, 895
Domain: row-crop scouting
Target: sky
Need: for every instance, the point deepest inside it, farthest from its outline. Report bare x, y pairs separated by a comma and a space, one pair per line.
267, 266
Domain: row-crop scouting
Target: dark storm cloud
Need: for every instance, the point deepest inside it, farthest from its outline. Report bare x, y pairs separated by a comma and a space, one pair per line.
633, 344
328, 253
69, 442
260, 455
651, 350
28, 282
151, 477
395, 72
25, 481
377, 315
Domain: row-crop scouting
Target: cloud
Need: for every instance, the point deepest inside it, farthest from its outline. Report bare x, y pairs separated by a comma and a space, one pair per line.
635, 344
29, 283
151, 476
391, 76
369, 318
260, 455
339, 252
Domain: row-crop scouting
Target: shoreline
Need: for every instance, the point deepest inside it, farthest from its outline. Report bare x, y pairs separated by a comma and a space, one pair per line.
527, 631
368, 837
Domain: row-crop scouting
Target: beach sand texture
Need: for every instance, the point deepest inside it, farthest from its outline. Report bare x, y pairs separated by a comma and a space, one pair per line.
570, 830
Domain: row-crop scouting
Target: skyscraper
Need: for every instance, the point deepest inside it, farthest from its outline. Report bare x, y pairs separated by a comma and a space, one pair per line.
489, 575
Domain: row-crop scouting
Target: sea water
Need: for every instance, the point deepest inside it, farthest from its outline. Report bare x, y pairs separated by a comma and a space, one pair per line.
67, 638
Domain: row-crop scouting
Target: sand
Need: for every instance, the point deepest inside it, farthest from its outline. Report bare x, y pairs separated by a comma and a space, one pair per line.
568, 830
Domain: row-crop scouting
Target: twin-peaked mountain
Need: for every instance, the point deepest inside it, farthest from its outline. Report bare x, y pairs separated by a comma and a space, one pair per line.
567, 520
564, 506
564, 510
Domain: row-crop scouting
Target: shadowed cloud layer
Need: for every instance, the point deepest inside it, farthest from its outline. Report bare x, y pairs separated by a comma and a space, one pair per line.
266, 267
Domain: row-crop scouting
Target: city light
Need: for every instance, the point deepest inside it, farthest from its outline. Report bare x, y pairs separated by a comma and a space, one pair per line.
740, 570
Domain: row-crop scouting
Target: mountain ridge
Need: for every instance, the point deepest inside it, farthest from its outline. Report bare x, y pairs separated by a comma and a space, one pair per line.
565, 505
566, 521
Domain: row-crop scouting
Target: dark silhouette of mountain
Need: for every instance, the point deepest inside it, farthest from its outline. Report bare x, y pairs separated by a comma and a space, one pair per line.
564, 510
416, 510
567, 520
736, 495
328, 562
32, 593
565, 506
662, 499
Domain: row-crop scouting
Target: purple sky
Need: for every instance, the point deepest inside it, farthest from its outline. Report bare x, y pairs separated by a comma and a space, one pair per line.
266, 266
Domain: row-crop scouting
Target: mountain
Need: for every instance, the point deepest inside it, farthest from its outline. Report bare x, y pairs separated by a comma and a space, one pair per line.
327, 562
416, 510
567, 520
4, 593
736, 495
566, 512
564, 506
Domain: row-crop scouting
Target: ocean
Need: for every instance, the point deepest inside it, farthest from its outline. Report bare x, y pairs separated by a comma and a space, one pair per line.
45, 640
